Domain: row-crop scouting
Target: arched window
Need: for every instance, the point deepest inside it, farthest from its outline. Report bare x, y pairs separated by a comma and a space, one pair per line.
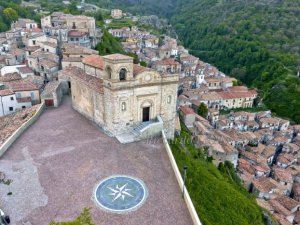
108, 70
169, 99
122, 74
123, 106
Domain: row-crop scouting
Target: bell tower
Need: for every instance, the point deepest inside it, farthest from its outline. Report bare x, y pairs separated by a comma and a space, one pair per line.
118, 67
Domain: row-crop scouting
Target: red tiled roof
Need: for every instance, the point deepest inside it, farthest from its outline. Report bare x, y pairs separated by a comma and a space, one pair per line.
117, 57
168, 62
138, 69
34, 30
94, 61
10, 77
283, 175
6, 92
237, 92
25, 69
186, 110
92, 82
76, 33
22, 85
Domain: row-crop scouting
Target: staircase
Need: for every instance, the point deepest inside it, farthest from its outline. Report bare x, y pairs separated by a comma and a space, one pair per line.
137, 133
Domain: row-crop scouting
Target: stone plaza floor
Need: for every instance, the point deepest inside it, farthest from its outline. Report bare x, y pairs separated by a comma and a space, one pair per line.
57, 163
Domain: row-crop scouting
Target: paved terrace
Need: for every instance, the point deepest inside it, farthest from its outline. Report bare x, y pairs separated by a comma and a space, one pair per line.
56, 164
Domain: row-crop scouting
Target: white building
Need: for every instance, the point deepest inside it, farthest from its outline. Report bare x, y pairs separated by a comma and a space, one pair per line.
9, 103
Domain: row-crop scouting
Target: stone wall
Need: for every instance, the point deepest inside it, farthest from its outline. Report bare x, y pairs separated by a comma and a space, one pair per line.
187, 197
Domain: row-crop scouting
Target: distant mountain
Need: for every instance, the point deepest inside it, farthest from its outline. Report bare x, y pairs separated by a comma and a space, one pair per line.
140, 7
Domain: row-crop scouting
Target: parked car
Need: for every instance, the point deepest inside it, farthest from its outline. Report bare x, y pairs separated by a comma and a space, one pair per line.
4, 219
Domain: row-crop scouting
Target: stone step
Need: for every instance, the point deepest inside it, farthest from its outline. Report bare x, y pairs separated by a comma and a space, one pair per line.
126, 138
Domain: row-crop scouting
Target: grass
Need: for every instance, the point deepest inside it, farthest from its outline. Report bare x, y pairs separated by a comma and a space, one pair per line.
116, 24
251, 110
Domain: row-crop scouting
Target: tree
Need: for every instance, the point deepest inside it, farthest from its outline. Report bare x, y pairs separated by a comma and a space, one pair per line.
10, 15
143, 63
83, 219
202, 110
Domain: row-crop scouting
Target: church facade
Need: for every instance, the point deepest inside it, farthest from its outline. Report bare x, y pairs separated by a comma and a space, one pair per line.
119, 95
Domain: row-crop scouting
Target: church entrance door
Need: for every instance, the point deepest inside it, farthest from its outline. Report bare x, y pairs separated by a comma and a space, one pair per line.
146, 114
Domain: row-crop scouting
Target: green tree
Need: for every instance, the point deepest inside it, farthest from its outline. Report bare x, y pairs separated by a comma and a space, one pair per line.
202, 110
109, 45
10, 15
83, 219
142, 63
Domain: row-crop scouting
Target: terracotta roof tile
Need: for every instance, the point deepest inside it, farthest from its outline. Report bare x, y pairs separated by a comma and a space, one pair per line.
186, 110
117, 57
6, 92
94, 61
283, 175
22, 85
92, 82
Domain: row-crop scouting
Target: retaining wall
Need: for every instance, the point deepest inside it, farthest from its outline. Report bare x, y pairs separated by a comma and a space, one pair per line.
21, 129
187, 197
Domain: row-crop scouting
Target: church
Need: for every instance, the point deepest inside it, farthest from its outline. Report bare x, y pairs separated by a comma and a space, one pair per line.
122, 97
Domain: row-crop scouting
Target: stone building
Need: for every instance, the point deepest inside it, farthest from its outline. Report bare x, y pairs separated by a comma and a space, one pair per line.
116, 13
122, 97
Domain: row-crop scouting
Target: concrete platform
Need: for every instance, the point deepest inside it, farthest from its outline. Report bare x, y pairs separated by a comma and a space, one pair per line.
57, 163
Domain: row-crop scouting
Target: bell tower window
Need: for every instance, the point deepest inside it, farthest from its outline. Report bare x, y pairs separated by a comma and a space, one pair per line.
169, 99
122, 74
123, 106
108, 70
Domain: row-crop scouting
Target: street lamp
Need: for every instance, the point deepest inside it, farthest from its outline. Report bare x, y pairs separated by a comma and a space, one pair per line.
184, 178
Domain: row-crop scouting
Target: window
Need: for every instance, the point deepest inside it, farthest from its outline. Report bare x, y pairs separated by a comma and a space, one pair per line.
12, 98
108, 70
23, 107
169, 99
11, 108
122, 74
18, 95
123, 106
33, 42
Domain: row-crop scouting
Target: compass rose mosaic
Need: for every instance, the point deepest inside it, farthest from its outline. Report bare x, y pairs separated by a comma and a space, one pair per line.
120, 193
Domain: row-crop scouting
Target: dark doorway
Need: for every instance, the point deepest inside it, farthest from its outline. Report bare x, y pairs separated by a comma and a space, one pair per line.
146, 114
49, 102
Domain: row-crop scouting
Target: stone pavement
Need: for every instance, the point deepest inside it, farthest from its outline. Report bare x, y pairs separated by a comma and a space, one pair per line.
57, 163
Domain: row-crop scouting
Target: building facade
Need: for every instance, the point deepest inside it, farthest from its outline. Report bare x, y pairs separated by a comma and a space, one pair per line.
122, 95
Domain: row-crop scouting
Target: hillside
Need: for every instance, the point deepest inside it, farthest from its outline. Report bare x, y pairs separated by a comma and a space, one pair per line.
140, 7
11, 11
256, 41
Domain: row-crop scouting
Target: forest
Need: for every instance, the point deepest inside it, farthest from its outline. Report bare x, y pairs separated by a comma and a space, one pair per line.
12, 10
257, 42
